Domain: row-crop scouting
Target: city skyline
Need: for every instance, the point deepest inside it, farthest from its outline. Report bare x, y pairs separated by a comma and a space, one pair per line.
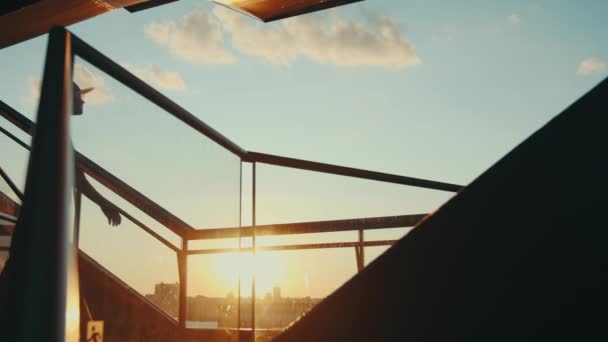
204, 312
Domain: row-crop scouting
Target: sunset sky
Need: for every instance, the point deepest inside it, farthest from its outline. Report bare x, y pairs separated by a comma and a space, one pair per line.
431, 89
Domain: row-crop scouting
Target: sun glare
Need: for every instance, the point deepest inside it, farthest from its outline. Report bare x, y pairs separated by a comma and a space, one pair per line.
268, 270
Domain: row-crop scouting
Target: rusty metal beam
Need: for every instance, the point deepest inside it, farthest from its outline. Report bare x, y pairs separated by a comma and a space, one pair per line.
182, 268
41, 16
149, 231
349, 172
11, 184
271, 10
308, 227
116, 71
133, 196
292, 247
16, 118
14, 138
144, 5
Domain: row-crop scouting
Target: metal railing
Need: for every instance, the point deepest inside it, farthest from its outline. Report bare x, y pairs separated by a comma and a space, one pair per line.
45, 287
62, 47
10, 182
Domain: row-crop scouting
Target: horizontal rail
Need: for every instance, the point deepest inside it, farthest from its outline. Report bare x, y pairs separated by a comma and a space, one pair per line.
308, 227
136, 198
14, 138
292, 247
148, 230
16, 118
121, 74
349, 171
7, 219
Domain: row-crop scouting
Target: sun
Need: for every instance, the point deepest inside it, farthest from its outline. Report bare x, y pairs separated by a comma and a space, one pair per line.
268, 269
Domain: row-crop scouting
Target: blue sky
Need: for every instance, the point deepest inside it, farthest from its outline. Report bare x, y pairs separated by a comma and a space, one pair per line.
484, 83
448, 90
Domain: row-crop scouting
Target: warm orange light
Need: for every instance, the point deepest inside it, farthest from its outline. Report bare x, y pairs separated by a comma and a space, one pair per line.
269, 10
268, 270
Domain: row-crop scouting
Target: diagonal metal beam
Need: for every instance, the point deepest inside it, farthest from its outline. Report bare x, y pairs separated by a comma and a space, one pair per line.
137, 199
349, 171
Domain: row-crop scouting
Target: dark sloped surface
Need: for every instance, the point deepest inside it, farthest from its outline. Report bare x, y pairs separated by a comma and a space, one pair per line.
127, 315
519, 255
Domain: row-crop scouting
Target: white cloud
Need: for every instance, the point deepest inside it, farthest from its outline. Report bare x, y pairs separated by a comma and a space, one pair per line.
198, 37
592, 65
33, 86
514, 19
84, 78
195, 38
159, 33
169, 80
166, 79
324, 40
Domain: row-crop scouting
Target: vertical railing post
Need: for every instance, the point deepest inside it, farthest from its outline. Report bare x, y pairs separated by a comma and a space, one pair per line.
77, 214
253, 242
238, 296
360, 251
45, 294
182, 265
358, 258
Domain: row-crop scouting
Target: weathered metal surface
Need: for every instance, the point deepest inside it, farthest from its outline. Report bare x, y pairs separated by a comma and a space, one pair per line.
182, 269
103, 63
41, 16
308, 227
349, 171
293, 247
271, 10
11, 184
141, 6
133, 196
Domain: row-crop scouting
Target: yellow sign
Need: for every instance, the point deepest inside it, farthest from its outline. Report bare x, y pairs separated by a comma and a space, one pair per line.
95, 331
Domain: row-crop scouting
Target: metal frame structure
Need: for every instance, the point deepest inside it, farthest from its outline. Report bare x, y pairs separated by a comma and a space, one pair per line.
46, 295
63, 46
10, 183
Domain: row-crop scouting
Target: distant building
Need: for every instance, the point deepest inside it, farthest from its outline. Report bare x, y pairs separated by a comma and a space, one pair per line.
166, 296
273, 311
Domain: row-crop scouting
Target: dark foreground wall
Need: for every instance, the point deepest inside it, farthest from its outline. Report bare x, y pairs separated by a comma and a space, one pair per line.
127, 315
519, 255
